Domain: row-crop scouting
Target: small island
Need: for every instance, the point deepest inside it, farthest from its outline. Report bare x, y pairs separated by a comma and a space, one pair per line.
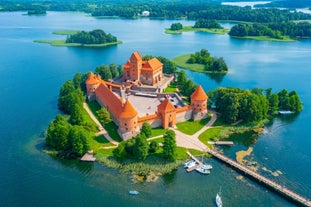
95, 38
201, 61
203, 25
282, 32
121, 132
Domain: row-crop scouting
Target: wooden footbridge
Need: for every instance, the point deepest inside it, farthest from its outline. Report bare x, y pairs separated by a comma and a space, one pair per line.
298, 199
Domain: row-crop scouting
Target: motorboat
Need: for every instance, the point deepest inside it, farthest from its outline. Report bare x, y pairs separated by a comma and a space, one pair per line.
190, 164
133, 192
203, 170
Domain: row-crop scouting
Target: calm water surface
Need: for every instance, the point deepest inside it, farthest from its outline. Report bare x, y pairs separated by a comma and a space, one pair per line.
32, 73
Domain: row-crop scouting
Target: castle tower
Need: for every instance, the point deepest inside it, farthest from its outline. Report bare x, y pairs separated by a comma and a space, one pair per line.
132, 68
199, 103
168, 114
91, 84
128, 118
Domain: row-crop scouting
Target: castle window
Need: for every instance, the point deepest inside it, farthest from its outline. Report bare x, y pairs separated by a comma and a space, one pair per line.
125, 124
126, 129
198, 105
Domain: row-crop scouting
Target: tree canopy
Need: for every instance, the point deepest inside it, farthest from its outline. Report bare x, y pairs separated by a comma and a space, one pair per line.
252, 106
169, 145
97, 36
210, 63
207, 23
176, 26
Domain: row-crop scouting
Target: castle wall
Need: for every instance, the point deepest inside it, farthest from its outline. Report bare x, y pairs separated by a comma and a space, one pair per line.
102, 104
183, 115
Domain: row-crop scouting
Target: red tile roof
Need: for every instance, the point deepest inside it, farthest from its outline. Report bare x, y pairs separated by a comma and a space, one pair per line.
127, 65
113, 103
155, 63
136, 56
128, 111
199, 94
92, 79
166, 105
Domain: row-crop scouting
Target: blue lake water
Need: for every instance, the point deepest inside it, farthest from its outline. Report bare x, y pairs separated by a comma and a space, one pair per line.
32, 74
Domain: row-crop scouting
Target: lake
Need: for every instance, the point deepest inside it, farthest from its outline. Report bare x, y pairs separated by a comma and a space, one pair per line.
32, 74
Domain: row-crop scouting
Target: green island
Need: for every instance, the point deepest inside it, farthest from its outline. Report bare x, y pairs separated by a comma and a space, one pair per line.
154, 151
282, 32
76, 38
201, 61
202, 25
192, 29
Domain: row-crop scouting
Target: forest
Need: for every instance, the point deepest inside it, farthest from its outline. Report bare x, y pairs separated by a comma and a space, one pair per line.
252, 106
274, 30
93, 37
166, 9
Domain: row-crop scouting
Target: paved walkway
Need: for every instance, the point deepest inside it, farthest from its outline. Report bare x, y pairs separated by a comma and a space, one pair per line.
102, 131
192, 141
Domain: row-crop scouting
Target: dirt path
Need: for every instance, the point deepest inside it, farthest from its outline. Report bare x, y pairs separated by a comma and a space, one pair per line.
102, 131
192, 141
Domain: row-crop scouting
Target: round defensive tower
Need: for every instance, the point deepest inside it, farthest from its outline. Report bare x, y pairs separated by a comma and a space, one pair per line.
199, 103
128, 118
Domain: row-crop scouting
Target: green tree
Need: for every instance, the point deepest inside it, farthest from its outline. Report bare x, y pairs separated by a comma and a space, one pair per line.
284, 100
141, 147
181, 78
146, 129
273, 103
77, 81
103, 115
120, 152
78, 137
65, 90
69, 96
169, 145
176, 26
153, 147
294, 101
76, 116
57, 134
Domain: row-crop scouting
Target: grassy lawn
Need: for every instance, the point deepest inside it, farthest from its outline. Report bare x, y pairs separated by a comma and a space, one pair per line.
181, 61
157, 131
66, 32
63, 43
171, 88
110, 127
210, 135
191, 127
96, 143
191, 29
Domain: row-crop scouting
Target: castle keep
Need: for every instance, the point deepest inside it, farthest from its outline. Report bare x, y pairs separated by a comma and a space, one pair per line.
129, 109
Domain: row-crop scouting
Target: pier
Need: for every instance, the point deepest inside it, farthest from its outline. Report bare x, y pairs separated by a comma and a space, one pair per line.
302, 201
88, 157
196, 160
229, 143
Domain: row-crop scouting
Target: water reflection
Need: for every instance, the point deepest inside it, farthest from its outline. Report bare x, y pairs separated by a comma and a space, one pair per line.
218, 77
169, 177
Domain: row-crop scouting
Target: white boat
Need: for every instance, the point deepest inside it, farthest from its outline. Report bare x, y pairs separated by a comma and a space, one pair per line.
190, 164
203, 170
207, 166
133, 192
283, 112
218, 199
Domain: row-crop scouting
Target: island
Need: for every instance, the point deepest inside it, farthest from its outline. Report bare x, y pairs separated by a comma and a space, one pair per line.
120, 131
202, 25
201, 61
95, 38
283, 32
